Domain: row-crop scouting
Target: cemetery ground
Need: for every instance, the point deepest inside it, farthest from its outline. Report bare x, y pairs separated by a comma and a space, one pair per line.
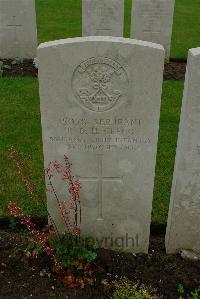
20, 126
159, 273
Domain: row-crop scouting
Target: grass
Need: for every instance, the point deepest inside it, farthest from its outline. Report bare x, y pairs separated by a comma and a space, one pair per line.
20, 126
186, 29
58, 19
169, 125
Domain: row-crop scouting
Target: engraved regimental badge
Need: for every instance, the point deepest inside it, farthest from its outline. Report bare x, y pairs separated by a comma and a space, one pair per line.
100, 83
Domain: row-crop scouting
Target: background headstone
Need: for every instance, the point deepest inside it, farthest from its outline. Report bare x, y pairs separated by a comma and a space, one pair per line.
100, 105
183, 229
102, 17
18, 33
152, 20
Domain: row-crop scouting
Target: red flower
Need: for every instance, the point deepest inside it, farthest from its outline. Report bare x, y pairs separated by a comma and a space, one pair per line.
63, 210
76, 230
65, 172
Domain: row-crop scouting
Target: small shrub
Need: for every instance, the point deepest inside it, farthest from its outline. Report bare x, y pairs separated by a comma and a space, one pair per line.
193, 295
181, 291
73, 253
35, 62
13, 223
127, 290
3, 67
17, 60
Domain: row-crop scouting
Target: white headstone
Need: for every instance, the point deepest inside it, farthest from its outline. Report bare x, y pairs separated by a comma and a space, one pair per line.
103, 17
100, 105
152, 20
18, 33
183, 229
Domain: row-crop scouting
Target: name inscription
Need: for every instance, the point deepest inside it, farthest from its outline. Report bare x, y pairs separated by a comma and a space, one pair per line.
99, 134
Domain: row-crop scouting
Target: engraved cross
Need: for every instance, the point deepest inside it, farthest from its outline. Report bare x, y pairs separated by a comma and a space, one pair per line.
15, 25
100, 179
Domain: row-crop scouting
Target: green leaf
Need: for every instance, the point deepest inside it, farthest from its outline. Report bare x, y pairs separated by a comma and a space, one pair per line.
6, 67
13, 222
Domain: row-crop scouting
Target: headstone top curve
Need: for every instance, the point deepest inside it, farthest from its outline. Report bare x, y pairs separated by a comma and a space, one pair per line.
100, 39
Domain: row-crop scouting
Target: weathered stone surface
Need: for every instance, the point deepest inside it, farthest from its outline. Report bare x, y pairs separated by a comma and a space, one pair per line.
183, 229
100, 105
18, 32
152, 20
104, 17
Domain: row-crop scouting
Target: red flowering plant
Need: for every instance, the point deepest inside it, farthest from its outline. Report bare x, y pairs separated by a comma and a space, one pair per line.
71, 213
38, 237
70, 254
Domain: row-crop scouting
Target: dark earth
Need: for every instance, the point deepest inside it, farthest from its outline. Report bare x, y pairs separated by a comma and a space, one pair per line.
159, 272
174, 70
